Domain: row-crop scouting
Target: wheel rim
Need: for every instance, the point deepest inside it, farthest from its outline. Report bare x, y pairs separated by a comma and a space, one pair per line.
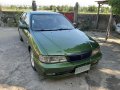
31, 59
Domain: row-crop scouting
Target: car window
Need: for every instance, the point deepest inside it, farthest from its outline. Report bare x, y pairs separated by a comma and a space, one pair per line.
50, 22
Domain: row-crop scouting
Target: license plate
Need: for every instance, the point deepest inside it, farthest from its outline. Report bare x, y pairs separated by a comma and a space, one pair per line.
82, 69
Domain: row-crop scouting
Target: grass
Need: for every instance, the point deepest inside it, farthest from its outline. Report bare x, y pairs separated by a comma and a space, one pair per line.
92, 13
18, 10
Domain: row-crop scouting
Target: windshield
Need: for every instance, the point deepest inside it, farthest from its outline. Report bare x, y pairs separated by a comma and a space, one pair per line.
50, 22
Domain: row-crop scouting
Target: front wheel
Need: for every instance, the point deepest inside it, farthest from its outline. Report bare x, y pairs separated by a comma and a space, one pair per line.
32, 60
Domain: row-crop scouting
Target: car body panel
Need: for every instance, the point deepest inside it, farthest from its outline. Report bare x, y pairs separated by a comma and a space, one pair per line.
63, 42
62, 68
59, 43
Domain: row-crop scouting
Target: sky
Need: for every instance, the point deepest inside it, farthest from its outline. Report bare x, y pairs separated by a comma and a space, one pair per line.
49, 2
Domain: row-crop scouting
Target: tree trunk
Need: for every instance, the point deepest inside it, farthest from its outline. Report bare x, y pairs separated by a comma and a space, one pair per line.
109, 26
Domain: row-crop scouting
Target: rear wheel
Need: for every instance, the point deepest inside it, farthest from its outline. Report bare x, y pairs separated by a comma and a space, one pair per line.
20, 37
32, 59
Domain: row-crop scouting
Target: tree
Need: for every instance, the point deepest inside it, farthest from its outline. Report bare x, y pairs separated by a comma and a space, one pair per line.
115, 6
92, 9
13, 7
105, 10
0, 8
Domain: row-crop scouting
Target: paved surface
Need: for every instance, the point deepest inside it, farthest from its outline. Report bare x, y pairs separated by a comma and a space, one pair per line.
16, 72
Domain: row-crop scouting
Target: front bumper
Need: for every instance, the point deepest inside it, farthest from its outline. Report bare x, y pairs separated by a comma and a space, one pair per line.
65, 68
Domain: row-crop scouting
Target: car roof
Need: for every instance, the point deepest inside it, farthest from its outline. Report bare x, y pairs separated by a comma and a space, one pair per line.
42, 12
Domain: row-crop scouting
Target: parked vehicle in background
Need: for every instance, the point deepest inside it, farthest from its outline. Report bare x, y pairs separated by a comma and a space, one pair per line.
118, 28
56, 47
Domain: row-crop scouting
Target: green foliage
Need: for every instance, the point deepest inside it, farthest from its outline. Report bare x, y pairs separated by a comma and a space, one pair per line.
0, 8
83, 9
63, 8
105, 9
92, 9
115, 6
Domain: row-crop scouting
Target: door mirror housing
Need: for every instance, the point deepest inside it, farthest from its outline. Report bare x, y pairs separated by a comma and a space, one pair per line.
75, 25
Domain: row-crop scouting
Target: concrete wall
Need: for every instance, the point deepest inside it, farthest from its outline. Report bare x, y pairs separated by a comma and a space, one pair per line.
89, 21
86, 21
9, 19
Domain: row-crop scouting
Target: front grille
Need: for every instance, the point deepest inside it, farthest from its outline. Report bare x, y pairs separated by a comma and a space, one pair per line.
78, 57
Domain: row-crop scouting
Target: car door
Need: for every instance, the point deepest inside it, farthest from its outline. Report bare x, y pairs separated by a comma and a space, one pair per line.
25, 31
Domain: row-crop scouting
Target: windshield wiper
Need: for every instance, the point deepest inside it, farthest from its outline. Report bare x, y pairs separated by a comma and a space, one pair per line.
43, 30
57, 29
63, 29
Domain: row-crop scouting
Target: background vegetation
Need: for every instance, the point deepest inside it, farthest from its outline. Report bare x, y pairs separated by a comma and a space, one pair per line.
115, 6
64, 8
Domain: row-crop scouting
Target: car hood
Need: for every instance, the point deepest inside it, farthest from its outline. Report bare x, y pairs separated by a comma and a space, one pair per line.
62, 42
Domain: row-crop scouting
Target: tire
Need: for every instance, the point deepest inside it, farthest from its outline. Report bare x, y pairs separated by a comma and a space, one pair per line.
95, 65
32, 60
20, 37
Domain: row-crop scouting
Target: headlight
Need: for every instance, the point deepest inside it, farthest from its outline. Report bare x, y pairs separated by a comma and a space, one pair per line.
52, 59
94, 52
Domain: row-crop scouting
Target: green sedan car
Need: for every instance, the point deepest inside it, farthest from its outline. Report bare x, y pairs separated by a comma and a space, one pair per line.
57, 48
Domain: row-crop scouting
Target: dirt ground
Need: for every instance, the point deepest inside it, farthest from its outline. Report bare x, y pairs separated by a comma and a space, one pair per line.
16, 72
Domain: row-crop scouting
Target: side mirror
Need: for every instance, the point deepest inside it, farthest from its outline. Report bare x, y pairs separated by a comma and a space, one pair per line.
23, 26
75, 25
